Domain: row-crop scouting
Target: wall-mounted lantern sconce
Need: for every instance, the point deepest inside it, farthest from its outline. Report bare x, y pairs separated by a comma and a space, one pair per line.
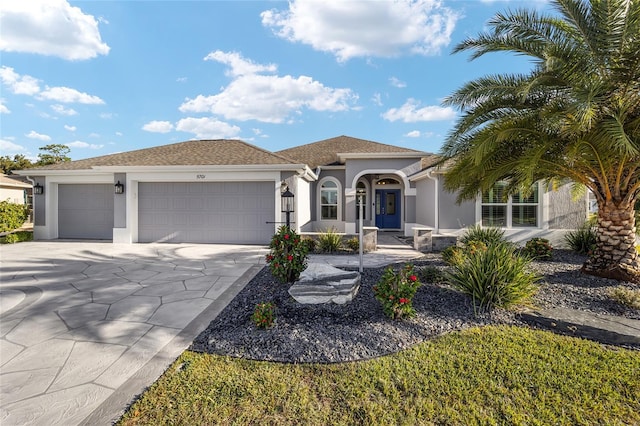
38, 189
119, 188
287, 204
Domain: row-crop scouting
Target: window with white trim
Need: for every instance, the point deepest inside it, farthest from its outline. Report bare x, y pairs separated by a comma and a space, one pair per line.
329, 200
518, 210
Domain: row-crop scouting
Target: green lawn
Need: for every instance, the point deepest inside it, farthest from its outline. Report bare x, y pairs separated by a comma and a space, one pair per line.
489, 375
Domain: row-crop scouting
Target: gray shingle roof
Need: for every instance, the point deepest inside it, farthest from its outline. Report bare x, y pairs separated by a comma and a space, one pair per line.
325, 152
219, 152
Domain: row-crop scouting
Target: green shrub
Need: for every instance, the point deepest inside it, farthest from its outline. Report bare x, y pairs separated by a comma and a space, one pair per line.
626, 296
488, 235
310, 242
431, 274
395, 292
582, 240
329, 241
538, 248
473, 246
353, 244
453, 255
264, 315
17, 237
11, 239
288, 255
12, 216
496, 277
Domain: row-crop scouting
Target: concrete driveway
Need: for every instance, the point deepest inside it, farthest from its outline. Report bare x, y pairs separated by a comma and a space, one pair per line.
86, 326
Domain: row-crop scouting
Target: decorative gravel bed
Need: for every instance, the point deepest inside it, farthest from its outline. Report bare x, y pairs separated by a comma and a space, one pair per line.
359, 330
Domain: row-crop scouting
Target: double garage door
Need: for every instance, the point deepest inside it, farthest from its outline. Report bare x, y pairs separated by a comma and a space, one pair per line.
206, 212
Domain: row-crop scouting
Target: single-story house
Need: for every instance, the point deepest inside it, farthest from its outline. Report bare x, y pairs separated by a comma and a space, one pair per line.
14, 189
229, 191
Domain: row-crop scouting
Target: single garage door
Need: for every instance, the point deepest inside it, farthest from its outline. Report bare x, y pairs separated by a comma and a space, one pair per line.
85, 211
206, 212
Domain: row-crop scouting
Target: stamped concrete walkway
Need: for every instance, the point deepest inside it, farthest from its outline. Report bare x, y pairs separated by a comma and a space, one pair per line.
86, 326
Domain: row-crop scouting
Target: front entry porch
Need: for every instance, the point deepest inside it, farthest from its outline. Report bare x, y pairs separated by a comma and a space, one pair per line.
388, 207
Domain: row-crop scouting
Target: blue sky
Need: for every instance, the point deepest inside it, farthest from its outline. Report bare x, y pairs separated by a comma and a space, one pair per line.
113, 76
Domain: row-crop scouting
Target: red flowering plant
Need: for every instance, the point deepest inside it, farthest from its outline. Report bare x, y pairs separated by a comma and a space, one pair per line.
264, 314
395, 291
288, 255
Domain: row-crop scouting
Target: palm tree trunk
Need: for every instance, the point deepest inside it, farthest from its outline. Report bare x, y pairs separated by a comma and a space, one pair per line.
615, 255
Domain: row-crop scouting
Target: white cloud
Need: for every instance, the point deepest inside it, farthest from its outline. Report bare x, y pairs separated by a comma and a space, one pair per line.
181, 79
68, 95
3, 108
413, 134
30, 86
377, 99
94, 135
397, 83
70, 128
106, 115
35, 135
158, 126
50, 27
350, 29
207, 128
19, 84
411, 113
259, 132
270, 99
60, 109
80, 144
238, 65
8, 147
118, 133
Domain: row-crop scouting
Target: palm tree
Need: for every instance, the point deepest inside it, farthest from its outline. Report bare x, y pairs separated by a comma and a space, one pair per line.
575, 116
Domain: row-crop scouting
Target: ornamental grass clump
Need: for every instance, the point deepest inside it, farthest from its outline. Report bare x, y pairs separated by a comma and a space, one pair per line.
495, 277
288, 255
487, 235
431, 274
453, 255
329, 241
395, 292
353, 244
629, 297
538, 248
582, 240
264, 315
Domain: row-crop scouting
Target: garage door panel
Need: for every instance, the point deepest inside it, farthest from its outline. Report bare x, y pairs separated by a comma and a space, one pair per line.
196, 203
215, 212
85, 211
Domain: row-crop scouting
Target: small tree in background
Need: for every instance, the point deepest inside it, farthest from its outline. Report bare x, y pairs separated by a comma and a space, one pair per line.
18, 162
53, 154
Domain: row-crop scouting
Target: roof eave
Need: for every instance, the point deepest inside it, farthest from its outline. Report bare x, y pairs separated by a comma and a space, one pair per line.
163, 168
427, 173
342, 156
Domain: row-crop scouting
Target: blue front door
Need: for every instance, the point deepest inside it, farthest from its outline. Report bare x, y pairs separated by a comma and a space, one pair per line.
388, 208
